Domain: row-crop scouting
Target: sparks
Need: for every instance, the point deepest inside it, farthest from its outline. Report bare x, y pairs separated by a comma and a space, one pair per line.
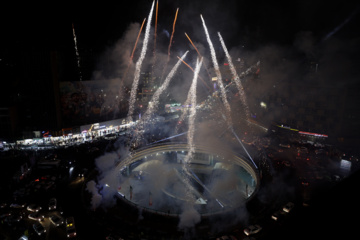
218, 75
133, 51
138, 66
236, 77
77, 52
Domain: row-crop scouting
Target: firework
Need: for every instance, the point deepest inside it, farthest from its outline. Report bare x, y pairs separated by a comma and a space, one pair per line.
171, 39
138, 66
77, 52
156, 17
236, 77
133, 51
193, 45
172, 34
190, 133
218, 75
198, 54
155, 32
162, 88
193, 71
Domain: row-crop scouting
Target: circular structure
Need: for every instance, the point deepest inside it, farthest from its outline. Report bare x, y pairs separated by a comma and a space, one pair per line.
159, 179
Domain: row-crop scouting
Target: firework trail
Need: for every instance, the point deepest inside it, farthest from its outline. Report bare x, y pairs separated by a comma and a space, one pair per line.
76, 51
155, 32
190, 133
193, 71
162, 88
155, 99
198, 54
172, 34
156, 17
236, 78
243, 74
192, 114
138, 66
218, 75
171, 39
133, 51
193, 45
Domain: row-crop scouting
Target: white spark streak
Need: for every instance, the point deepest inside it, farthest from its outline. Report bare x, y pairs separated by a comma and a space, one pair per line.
218, 75
138, 66
162, 88
236, 78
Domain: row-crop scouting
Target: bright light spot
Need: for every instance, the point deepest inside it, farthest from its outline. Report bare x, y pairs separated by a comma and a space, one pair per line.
263, 105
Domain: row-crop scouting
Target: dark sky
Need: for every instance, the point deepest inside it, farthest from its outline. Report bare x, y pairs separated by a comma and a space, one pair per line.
99, 24
327, 29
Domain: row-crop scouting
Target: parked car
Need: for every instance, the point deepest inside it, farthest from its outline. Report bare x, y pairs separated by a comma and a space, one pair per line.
288, 207
56, 220
278, 215
36, 216
39, 228
253, 229
33, 208
52, 204
70, 227
71, 232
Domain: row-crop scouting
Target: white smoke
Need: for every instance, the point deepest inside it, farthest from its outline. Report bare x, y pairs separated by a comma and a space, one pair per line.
96, 197
189, 217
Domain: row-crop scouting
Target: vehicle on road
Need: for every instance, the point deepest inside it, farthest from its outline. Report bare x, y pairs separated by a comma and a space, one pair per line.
36, 216
33, 208
288, 207
39, 228
70, 227
52, 204
253, 229
17, 205
71, 232
56, 220
278, 215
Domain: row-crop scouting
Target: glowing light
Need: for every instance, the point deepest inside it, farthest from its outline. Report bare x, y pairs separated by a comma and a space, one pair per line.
263, 105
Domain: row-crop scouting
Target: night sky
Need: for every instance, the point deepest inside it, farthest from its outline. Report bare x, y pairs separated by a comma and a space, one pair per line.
99, 25
327, 29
